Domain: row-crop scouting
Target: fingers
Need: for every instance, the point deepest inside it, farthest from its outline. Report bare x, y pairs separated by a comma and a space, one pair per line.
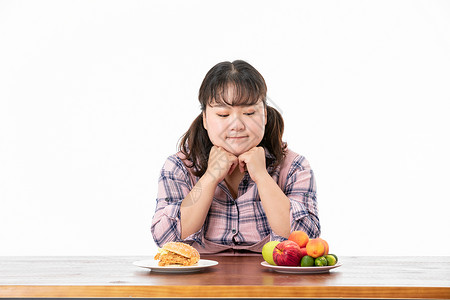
234, 162
243, 160
241, 165
254, 161
233, 166
225, 163
221, 163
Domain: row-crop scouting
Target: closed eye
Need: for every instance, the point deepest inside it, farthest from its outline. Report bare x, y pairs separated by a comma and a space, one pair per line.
222, 115
249, 114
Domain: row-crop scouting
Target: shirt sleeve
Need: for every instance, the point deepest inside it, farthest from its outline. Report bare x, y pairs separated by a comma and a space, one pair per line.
174, 185
301, 191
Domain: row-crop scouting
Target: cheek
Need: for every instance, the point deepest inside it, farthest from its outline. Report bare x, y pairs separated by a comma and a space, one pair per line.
257, 125
215, 127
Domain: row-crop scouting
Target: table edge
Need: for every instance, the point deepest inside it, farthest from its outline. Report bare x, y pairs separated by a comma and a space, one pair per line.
218, 291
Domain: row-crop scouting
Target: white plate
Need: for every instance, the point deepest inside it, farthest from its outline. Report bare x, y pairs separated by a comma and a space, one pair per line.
300, 270
153, 265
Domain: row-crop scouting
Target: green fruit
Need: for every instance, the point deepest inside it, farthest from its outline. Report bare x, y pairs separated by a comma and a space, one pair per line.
321, 261
307, 261
267, 251
331, 259
335, 257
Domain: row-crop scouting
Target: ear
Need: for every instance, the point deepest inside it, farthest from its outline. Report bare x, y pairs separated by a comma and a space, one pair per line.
204, 121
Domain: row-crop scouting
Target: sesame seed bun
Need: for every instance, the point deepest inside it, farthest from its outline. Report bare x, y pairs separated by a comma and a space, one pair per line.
182, 249
177, 253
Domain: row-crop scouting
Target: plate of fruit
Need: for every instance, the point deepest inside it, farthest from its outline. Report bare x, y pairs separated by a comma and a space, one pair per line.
299, 254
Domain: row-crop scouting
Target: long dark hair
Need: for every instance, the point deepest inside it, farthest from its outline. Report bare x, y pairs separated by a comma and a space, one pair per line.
249, 87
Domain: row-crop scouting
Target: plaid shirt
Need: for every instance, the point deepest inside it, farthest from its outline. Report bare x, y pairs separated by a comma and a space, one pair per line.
233, 223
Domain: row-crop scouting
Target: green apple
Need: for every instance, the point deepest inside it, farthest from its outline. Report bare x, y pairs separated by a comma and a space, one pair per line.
267, 251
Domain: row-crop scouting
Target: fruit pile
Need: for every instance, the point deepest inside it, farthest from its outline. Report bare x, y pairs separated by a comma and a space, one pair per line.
299, 250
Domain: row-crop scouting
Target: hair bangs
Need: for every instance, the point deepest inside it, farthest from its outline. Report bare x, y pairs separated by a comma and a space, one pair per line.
233, 84
236, 93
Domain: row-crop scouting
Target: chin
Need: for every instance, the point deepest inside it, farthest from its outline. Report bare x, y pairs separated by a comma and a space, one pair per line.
238, 148
235, 150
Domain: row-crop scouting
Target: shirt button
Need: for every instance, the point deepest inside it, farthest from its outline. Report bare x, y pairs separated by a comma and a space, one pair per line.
233, 231
245, 181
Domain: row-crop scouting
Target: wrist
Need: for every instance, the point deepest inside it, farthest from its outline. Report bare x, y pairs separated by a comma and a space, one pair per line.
209, 179
262, 178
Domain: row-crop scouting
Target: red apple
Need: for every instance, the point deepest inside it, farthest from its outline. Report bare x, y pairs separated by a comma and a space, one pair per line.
287, 253
303, 251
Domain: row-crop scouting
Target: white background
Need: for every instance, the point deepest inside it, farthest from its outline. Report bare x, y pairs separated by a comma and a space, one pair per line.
94, 96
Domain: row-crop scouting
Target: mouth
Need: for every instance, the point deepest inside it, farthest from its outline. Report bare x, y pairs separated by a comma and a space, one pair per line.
237, 137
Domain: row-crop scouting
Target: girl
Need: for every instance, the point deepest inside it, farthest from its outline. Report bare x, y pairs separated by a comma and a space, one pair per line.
233, 186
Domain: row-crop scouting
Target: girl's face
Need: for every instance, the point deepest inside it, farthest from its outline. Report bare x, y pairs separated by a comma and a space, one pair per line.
237, 129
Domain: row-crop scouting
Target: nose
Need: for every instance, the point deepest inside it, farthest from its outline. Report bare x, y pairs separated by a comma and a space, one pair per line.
237, 125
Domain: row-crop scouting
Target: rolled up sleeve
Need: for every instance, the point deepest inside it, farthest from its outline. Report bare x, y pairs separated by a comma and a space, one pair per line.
173, 186
301, 191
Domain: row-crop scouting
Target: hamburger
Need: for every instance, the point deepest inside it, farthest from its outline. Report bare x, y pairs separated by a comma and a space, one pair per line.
177, 253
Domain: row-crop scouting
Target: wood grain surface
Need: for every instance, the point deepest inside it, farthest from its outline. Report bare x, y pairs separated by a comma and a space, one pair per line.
425, 277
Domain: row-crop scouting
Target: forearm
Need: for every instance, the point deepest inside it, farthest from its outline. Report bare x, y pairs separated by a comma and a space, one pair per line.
276, 205
195, 206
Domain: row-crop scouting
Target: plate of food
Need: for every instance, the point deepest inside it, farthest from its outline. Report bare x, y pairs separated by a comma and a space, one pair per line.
176, 257
300, 270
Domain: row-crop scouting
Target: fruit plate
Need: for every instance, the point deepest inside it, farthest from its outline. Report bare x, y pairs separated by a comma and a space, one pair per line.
153, 266
300, 270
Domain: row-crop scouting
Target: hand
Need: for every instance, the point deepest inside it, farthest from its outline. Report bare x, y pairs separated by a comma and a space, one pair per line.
220, 164
255, 161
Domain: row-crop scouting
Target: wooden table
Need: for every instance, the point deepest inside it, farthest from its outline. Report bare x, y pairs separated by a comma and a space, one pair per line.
358, 277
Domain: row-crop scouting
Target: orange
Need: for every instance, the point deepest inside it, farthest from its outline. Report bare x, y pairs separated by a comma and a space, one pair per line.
315, 248
300, 237
327, 248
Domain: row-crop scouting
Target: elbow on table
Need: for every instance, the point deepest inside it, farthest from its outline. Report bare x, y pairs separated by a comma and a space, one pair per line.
309, 225
164, 233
